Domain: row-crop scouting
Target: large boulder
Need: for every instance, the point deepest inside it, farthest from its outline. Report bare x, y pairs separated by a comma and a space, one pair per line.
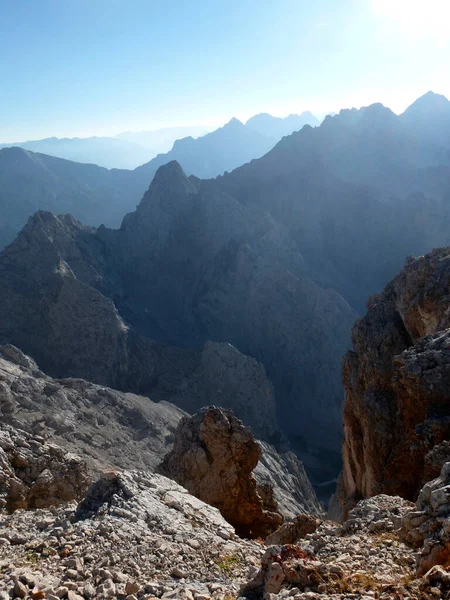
213, 456
397, 382
37, 474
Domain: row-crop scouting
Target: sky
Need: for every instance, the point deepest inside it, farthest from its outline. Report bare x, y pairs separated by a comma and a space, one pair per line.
98, 67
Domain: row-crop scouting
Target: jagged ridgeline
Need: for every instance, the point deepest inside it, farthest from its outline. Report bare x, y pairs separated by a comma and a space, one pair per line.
276, 258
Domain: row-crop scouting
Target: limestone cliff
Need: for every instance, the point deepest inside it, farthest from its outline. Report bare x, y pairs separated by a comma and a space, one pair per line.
397, 382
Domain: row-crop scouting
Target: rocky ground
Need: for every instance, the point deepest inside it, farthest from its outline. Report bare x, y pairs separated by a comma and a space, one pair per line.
138, 535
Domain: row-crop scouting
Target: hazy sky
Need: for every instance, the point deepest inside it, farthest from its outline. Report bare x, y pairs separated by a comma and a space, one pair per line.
85, 67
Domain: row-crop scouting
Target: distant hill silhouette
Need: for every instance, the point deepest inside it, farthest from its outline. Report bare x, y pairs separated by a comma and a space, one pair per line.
278, 127
103, 151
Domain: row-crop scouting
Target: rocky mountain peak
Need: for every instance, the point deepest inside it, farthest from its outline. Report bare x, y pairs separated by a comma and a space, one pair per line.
430, 104
235, 123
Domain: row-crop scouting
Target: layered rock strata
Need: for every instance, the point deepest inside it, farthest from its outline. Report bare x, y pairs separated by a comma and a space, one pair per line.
397, 382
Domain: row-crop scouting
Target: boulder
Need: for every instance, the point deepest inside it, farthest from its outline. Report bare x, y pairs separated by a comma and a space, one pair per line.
213, 456
292, 531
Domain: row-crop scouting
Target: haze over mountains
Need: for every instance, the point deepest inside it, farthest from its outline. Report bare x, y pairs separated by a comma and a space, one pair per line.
277, 257
31, 181
131, 149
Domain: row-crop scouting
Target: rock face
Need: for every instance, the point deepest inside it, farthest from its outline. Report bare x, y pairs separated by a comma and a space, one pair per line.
397, 381
37, 474
106, 427
232, 380
284, 474
112, 429
213, 456
147, 314
428, 526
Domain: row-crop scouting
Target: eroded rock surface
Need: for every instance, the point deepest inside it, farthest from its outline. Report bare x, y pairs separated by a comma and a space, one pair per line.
106, 427
397, 382
37, 474
213, 456
135, 534
428, 526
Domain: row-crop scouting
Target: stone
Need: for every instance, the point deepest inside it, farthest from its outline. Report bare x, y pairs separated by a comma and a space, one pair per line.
36, 474
427, 526
292, 531
132, 587
214, 455
20, 590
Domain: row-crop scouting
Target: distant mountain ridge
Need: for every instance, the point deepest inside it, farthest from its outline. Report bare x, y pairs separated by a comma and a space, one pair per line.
102, 151
97, 196
132, 149
278, 127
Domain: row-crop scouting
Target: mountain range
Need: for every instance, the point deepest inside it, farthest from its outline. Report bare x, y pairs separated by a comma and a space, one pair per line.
31, 181
131, 149
277, 258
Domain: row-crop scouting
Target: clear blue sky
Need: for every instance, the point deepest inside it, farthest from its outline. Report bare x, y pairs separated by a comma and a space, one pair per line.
84, 67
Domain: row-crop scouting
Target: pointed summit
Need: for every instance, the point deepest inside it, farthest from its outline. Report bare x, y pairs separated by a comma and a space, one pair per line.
430, 104
170, 179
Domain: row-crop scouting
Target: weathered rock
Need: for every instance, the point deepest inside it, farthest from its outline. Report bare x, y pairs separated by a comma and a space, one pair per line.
135, 533
106, 427
36, 474
362, 556
428, 526
397, 382
112, 429
213, 456
292, 531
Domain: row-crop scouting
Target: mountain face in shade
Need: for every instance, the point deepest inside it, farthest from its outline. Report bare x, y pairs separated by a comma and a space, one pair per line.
102, 151
276, 258
228, 147
429, 116
29, 181
191, 264
278, 127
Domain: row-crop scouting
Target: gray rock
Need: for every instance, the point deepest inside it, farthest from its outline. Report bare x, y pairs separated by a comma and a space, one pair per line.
36, 474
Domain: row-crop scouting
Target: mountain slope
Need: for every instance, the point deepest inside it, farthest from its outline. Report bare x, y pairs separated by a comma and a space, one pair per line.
30, 182
102, 151
189, 265
228, 147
